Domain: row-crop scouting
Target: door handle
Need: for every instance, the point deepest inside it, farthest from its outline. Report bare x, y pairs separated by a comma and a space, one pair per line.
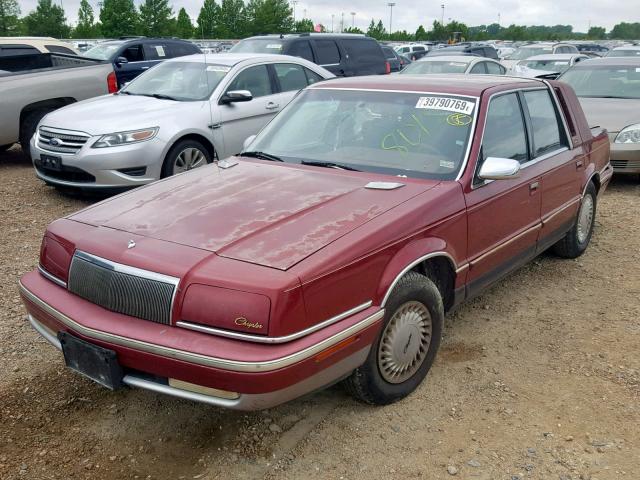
272, 106
143, 68
533, 186
579, 164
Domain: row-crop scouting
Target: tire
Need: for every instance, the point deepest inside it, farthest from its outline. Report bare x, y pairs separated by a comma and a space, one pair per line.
28, 128
171, 165
576, 241
4, 148
380, 381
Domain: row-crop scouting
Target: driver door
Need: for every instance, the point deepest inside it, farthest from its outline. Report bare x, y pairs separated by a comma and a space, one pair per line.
242, 119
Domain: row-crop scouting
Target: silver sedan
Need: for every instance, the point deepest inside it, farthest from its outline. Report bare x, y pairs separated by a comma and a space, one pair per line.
454, 64
181, 114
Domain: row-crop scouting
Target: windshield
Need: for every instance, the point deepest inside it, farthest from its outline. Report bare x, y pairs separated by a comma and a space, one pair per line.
548, 65
102, 51
624, 53
604, 81
182, 81
260, 45
405, 134
433, 66
525, 52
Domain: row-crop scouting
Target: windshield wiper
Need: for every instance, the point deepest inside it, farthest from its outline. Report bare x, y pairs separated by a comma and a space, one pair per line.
262, 156
124, 92
162, 96
329, 165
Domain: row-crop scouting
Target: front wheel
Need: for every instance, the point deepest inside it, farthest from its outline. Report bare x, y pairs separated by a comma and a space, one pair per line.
185, 155
576, 241
406, 346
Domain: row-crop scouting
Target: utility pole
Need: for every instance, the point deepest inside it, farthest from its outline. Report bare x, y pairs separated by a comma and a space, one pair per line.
353, 19
442, 17
295, 2
498, 19
342, 22
332, 15
391, 5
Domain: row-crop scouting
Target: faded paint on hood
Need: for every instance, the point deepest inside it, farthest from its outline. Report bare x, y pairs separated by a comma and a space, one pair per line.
611, 113
264, 213
118, 113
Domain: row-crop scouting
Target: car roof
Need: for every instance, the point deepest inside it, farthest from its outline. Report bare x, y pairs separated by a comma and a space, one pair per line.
289, 36
611, 61
556, 56
453, 84
231, 59
450, 58
628, 47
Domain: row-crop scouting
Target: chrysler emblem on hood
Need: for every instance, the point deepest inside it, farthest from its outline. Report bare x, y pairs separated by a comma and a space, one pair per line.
131, 244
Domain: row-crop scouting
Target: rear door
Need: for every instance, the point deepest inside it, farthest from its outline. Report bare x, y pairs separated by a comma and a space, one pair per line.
290, 79
135, 65
300, 48
243, 119
328, 55
503, 215
364, 56
155, 53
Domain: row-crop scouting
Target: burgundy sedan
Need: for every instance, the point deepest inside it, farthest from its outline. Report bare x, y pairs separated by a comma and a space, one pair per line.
330, 249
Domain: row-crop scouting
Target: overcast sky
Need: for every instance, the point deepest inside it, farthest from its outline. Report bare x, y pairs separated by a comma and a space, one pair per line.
408, 14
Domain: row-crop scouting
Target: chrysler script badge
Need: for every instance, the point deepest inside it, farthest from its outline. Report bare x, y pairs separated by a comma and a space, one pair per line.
243, 322
131, 244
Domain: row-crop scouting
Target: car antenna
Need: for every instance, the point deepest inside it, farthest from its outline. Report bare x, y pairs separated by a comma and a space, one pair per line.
206, 76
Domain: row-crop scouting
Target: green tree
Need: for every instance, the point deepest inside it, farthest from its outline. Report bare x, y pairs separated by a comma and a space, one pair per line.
208, 19
184, 27
353, 30
232, 22
421, 34
9, 18
47, 20
86, 27
269, 16
625, 31
155, 18
118, 17
306, 25
376, 30
597, 33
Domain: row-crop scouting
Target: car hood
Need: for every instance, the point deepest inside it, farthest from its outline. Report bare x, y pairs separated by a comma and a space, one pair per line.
611, 113
116, 113
265, 213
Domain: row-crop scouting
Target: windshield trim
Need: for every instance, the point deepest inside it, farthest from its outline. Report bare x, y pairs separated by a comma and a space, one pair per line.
472, 129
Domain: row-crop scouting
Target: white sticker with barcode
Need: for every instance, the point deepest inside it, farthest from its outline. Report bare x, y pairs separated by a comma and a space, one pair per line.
447, 104
160, 51
218, 68
274, 46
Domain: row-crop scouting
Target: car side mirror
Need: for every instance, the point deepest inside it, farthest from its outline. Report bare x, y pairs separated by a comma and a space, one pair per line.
233, 96
121, 60
247, 142
495, 168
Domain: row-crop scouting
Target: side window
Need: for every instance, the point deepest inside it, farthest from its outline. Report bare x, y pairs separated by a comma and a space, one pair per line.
133, 53
544, 122
255, 79
494, 68
405, 49
312, 77
301, 49
479, 68
504, 132
418, 49
11, 50
363, 51
327, 51
156, 51
181, 49
291, 76
59, 49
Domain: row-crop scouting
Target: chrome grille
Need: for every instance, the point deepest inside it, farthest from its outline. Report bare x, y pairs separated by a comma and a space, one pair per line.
622, 165
61, 141
122, 289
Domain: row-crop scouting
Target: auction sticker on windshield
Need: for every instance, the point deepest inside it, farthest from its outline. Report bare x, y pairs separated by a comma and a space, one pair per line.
446, 103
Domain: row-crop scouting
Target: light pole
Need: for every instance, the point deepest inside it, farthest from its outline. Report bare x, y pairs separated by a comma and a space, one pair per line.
332, 15
353, 19
295, 2
391, 5
442, 17
342, 22
498, 19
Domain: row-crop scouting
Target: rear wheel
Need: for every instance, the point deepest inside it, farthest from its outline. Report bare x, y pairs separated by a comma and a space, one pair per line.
185, 155
577, 239
28, 129
407, 345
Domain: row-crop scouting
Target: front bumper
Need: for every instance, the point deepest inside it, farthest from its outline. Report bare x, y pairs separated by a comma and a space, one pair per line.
625, 157
261, 375
99, 168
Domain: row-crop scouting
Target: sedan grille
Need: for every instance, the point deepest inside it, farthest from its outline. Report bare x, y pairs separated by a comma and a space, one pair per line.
622, 165
61, 141
122, 289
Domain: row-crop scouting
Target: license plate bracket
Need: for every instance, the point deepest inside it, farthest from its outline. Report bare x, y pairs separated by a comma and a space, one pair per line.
50, 162
94, 362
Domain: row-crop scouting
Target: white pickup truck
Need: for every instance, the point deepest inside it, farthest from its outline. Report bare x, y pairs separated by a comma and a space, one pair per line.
33, 85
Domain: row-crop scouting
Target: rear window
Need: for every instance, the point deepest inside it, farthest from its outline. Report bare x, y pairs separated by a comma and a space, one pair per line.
434, 66
182, 49
13, 50
327, 52
258, 45
593, 80
59, 49
388, 53
156, 51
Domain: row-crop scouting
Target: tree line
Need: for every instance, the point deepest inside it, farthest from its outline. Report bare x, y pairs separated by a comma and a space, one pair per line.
239, 19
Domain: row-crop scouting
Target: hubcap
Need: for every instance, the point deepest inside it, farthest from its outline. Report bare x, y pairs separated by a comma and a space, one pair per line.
405, 342
585, 218
188, 159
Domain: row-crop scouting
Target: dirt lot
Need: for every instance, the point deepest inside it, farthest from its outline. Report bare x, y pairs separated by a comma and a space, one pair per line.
537, 379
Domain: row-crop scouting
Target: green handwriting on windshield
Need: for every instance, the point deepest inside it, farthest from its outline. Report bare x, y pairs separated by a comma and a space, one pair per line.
411, 135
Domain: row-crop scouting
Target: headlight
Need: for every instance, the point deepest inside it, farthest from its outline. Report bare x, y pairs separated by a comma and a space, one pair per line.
123, 138
630, 134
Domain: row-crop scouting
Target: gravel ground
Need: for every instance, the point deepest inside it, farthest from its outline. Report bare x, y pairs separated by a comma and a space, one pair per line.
539, 378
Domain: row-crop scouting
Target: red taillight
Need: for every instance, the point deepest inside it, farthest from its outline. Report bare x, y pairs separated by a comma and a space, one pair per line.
112, 83
387, 67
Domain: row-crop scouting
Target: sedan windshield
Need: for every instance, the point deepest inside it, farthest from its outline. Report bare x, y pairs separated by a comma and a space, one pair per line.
604, 81
435, 66
264, 45
548, 65
525, 52
624, 53
102, 51
403, 134
182, 81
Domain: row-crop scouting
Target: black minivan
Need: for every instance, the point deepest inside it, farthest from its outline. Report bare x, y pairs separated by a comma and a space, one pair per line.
344, 54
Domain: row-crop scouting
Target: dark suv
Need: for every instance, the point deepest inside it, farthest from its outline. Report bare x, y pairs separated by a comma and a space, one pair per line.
133, 55
466, 49
344, 55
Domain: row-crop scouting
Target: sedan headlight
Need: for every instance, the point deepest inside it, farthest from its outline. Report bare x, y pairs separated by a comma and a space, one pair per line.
124, 138
630, 134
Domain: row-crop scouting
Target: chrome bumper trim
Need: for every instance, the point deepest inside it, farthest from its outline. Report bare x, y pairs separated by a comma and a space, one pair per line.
262, 339
44, 331
199, 359
51, 277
